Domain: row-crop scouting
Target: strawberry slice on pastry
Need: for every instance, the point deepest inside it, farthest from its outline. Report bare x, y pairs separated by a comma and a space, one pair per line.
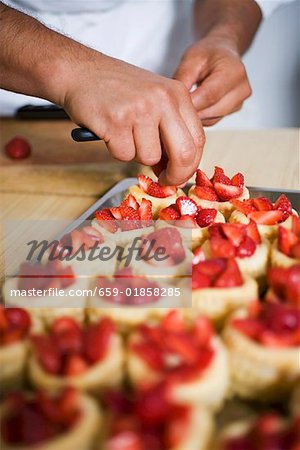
286, 248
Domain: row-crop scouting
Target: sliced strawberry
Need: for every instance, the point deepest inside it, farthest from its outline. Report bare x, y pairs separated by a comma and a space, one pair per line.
203, 331
116, 212
150, 354
130, 200
267, 217
198, 256
155, 190
153, 405
186, 206
252, 232
183, 346
124, 440
106, 220
144, 182
18, 318
283, 204
238, 179
220, 177
169, 190
295, 250
296, 225
145, 210
231, 276
97, 339
206, 217
251, 327
293, 285
47, 353
286, 240
234, 232
202, 179
186, 221
130, 218
222, 248
227, 192
173, 321
244, 206
170, 213
75, 365
277, 278
3, 319
206, 193
262, 204
200, 280
246, 248
212, 267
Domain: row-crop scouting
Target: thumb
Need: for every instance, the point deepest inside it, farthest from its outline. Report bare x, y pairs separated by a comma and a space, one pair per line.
186, 72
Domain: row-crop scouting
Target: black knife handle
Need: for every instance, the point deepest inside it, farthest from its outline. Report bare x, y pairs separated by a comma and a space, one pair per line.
83, 135
41, 112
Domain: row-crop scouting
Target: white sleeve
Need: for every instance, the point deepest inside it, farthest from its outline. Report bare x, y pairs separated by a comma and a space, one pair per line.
268, 6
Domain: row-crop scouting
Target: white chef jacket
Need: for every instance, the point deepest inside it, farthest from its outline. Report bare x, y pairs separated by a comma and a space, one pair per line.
152, 34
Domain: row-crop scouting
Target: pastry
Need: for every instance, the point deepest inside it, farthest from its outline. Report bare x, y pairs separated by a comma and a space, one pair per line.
219, 288
67, 421
284, 285
286, 249
191, 359
264, 345
160, 196
269, 431
48, 291
89, 358
266, 214
15, 324
190, 219
129, 300
122, 224
242, 242
160, 255
148, 419
217, 192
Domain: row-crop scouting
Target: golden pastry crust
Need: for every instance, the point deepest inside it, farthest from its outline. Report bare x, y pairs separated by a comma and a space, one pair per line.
279, 259
13, 358
192, 237
54, 305
82, 436
255, 266
219, 303
269, 232
157, 203
259, 372
106, 373
225, 208
209, 389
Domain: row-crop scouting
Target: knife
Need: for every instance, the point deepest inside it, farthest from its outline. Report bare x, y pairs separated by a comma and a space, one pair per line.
86, 135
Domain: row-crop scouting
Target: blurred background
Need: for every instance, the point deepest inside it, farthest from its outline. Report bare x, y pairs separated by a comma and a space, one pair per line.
154, 34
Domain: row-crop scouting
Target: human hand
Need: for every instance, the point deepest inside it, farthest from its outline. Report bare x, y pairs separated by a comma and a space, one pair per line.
222, 83
136, 112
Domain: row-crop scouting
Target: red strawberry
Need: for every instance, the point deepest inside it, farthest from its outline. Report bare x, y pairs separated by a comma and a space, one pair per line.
221, 248
267, 217
246, 248
296, 225
130, 218
47, 354
283, 204
277, 278
293, 285
97, 339
152, 355
144, 182
169, 213
182, 345
63, 324
106, 220
252, 232
212, 267
206, 217
153, 406
186, 221
18, 148
169, 190
124, 440
206, 193
245, 206
238, 179
226, 192
173, 321
286, 240
202, 179
155, 190
295, 251
75, 365
130, 201
145, 210
198, 256
18, 318
220, 177
203, 331
262, 204
3, 319
230, 277
186, 206
234, 232
251, 327
176, 427
116, 212
200, 280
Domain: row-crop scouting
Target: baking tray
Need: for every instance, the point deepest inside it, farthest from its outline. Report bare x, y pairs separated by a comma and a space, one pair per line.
116, 194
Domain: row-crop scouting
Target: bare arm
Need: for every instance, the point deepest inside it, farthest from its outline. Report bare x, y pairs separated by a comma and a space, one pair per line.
132, 109
225, 29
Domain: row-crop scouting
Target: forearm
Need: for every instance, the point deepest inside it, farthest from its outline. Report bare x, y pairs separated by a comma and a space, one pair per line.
35, 60
233, 21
